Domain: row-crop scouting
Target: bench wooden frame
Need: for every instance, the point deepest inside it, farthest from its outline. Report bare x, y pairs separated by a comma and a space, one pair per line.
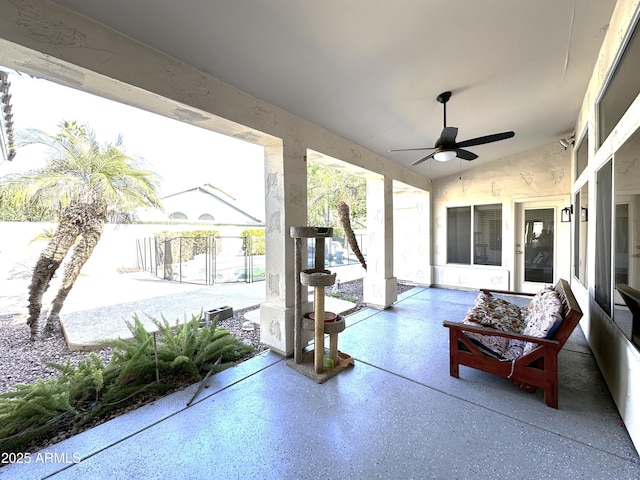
538, 368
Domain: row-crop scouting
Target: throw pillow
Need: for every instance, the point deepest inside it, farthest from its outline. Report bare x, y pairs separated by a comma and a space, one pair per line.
544, 317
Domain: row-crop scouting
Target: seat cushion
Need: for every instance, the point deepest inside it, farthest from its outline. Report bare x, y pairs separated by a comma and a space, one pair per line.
493, 345
494, 312
497, 313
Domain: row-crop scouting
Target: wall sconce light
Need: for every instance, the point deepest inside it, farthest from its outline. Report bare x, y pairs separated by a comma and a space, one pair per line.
565, 214
584, 217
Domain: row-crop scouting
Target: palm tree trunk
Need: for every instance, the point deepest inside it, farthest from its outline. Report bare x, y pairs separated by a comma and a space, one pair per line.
46, 267
345, 219
90, 236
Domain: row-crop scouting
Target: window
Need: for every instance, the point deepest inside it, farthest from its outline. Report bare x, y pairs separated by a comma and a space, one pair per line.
603, 238
486, 225
626, 230
487, 234
622, 89
206, 216
582, 154
459, 235
581, 220
178, 216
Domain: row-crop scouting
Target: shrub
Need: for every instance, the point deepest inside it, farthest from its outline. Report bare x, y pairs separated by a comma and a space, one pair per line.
185, 245
258, 244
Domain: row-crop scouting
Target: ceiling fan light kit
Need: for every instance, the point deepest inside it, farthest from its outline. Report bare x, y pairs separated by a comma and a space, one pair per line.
446, 148
444, 155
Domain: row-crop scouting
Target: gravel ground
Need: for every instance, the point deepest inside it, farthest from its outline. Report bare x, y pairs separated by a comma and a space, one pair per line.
23, 361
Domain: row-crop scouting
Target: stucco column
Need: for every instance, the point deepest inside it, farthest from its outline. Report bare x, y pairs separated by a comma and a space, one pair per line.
411, 258
380, 286
286, 206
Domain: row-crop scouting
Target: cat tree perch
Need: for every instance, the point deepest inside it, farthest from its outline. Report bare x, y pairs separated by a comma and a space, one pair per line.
317, 364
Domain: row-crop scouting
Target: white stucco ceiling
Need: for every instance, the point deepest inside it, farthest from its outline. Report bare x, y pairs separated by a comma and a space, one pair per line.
370, 70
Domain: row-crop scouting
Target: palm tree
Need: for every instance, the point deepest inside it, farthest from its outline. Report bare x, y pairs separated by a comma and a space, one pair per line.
87, 184
328, 191
327, 187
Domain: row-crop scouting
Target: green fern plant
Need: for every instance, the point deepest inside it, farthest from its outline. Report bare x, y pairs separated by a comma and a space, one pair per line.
146, 362
33, 411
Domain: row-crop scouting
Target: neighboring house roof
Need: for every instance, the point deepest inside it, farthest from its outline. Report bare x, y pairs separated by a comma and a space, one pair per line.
207, 203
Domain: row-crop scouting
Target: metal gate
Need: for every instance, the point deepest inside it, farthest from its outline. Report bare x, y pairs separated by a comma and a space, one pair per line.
201, 260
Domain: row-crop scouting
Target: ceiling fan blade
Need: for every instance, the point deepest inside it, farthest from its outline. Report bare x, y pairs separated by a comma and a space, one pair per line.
448, 136
412, 149
465, 154
486, 139
423, 159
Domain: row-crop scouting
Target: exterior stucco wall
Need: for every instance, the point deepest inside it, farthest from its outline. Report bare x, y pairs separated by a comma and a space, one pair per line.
83, 54
411, 236
541, 173
46, 40
617, 358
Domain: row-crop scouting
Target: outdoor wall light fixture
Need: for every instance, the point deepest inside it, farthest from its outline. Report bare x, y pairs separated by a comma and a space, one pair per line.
444, 155
584, 217
565, 214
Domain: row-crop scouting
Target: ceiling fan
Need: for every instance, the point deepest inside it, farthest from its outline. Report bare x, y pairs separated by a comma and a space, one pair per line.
446, 147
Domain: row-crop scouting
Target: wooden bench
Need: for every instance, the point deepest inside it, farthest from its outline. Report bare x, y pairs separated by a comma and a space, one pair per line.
538, 368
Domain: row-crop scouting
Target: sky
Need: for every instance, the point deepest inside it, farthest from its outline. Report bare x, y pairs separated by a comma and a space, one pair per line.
184, 156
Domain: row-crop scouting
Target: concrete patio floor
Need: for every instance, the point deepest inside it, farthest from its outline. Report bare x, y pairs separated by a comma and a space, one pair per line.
396, 414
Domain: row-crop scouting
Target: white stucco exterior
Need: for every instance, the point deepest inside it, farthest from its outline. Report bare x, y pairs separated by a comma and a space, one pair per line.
51, 42
46, 40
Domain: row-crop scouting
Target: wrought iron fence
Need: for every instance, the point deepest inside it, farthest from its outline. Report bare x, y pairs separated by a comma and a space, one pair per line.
208, 260
202, 260
337, 252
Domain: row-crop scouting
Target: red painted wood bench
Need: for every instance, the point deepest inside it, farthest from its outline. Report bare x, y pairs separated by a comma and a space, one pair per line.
537, 368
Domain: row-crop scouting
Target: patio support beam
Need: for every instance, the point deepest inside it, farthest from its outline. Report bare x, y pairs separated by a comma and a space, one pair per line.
380, 286
286, 206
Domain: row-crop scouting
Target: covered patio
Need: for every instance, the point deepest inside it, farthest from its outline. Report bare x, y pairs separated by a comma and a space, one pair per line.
396, 414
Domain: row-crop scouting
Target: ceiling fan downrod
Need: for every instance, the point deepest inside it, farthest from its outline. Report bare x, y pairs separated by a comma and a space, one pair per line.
443, 98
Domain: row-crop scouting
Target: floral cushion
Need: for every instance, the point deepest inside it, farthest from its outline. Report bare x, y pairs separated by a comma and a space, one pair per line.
493, 345
497, 313
543, 316
515, 349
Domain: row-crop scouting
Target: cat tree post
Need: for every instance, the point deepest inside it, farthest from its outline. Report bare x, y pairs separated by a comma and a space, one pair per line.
312, 363
318, 338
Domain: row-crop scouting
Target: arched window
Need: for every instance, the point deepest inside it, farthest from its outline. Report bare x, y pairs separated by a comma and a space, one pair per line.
206, 216
178, 216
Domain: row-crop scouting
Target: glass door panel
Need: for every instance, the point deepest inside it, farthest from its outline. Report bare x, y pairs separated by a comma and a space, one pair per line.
539, 234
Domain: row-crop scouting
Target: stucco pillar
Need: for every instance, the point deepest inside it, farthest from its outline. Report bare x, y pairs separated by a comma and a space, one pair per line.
380, 286
411, 259
286, 206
